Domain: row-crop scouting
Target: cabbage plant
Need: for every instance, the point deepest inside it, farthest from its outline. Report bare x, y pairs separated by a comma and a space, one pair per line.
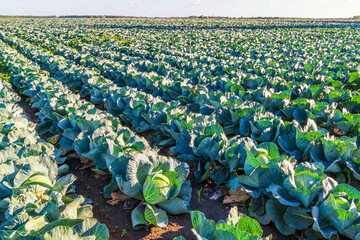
236, 226
263, 167
340, 211
301, 187
159, 181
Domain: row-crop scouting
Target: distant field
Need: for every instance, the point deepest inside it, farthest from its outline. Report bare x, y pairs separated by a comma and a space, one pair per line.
162, 119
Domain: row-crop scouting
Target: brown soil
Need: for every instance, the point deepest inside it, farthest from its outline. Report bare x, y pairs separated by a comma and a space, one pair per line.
30, 112
117, 218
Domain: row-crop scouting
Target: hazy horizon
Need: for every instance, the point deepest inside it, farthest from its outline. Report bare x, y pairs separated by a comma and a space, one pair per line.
185, 8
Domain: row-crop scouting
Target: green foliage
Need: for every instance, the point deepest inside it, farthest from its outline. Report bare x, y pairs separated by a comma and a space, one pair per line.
274, 111
237, 226
35, 202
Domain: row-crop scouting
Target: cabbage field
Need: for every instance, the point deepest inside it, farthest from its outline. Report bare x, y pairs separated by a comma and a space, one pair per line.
179, 129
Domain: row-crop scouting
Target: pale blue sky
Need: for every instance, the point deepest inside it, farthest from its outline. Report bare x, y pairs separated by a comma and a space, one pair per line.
164, 8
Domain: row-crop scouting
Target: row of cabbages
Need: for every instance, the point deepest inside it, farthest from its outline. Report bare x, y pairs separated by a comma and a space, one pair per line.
193, 133
35, 202
136, 170
298, 195
202, 137
299, 101
222, 53
204, 97
302, 99
236, 225
244, 57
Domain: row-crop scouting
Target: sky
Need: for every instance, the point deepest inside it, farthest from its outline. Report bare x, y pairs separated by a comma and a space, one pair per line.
182, 8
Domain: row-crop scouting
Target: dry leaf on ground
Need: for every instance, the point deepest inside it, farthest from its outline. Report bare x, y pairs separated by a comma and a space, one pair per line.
117, 197
238, 196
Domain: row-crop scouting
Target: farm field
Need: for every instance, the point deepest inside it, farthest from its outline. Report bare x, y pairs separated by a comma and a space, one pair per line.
151, 128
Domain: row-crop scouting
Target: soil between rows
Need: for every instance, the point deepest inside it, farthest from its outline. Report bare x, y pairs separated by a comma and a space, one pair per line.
117, 217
